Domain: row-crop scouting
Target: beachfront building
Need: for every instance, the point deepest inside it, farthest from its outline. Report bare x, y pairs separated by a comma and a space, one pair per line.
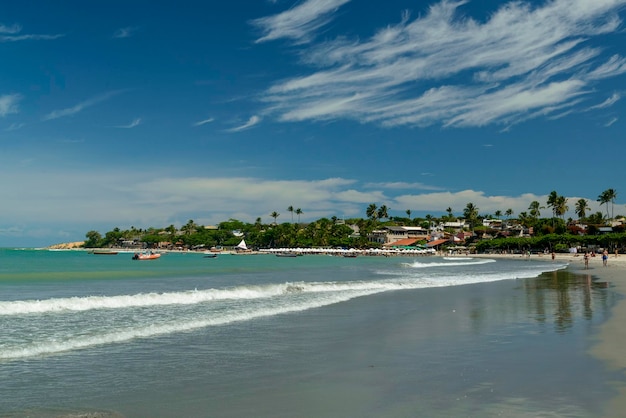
456, 226
392, 234
493, 223
438, 244
378, 236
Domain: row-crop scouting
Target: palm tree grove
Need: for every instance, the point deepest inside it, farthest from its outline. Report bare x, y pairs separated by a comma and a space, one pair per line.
536, 233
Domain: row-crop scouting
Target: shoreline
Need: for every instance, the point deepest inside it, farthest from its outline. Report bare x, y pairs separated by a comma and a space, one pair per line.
610, 338
407, 323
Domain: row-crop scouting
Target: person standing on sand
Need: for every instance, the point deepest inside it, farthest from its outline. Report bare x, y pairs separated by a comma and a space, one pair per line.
586, 258
605, 258
553, 255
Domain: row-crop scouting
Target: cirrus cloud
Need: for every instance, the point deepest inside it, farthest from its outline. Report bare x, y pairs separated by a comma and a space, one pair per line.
526, 60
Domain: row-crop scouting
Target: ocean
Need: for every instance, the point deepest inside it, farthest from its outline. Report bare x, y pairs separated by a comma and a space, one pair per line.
312, 336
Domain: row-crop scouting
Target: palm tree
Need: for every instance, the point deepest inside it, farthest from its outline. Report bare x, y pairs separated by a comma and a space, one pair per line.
290, 209
382, 212
604, 200
429, 218
372, 211
561, 206
498, 213
612, 195
552, 201
299, 212
408, 213
509, 213
525, 219
274, 215
189, 227
605, 197
534, 209
471, 214
449, 210
581, 208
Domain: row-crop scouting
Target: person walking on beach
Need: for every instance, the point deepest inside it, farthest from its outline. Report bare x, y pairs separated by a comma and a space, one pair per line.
586, 258
605, 258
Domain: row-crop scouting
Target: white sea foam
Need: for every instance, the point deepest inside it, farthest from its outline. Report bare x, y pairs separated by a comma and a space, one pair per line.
319, 294
457, 262
250, 292
51, 346
139, 300
222, 306
79, 304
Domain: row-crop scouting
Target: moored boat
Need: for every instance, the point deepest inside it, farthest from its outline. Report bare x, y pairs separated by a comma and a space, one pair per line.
146, 256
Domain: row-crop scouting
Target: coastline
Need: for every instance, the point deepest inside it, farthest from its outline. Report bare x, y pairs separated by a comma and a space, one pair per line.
389, 354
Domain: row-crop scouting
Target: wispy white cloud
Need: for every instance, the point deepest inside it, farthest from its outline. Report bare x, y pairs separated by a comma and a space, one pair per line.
16, 38
126, 32
15, 126
614, 66
249, 124
10, 34
608, 102
70, 111
203, 122
611, 122
526, 60
9, 104
15, 28
300, 22
134, 123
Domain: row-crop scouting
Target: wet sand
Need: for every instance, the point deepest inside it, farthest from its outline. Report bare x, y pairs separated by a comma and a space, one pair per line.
611, 338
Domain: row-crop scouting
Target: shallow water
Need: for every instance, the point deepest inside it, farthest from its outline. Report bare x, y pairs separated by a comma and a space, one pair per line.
306, 336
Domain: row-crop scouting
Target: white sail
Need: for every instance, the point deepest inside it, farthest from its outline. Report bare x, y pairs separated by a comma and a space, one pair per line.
242, 245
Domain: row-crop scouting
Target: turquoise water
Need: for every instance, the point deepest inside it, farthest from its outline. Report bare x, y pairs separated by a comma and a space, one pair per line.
258, 335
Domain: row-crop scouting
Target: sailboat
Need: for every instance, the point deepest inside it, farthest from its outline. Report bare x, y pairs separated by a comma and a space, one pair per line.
242, 247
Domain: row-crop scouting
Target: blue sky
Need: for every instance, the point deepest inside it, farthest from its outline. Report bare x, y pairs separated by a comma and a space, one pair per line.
150, 113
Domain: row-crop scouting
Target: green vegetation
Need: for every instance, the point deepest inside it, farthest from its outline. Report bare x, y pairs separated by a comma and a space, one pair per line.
554, 233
